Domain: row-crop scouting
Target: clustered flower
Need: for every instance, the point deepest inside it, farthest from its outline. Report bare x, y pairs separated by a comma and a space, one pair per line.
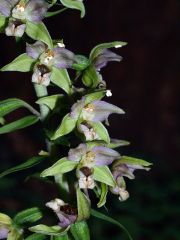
19, 12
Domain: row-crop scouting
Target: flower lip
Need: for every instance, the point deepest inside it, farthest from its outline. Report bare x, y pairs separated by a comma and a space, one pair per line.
43, 69
86, 171
67, 209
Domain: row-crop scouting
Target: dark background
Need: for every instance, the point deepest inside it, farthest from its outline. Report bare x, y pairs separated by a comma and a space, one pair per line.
145, 84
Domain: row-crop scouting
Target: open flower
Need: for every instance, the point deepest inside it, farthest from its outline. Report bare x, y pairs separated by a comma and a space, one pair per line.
125, 167
45, 58
87, 158
18, 12
67, 215
96, 111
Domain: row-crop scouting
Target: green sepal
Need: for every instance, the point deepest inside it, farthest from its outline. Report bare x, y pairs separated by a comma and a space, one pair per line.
115, 143
23, 63
91, 77
50, 101
101, 131
132, 161
28, 164
104, 191
60, 78
102, 216
47, 230
63, 237
19, 124
39, 32
83, 205
80, 231
51, 14
30, 215
15, 234
98, 95
104, 175
82, 63
5, 220
36, 236
96, 51
74, 4
67, 125
62, 166
11, 104
2, 22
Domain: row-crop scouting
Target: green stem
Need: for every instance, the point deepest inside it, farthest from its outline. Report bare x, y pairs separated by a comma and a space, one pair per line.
41, 91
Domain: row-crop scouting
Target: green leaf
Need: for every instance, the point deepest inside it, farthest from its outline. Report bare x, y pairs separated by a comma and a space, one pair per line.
91, 77
50, 101
60, 77
62, 166
63, 237
82, 63
23, 63
104, 191
28, 164
46, 230
67, 125
30, 215
38, 31
2, 121
83, 205
104, 175
80, 231
36, 236
134, 161
5, 220
94, 96
101, 216
74, 4
2, 22
115, 143
99, 48
101, 131
19, 124
11, 104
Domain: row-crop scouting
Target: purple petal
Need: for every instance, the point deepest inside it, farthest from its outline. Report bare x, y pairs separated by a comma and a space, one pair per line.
36, 49
65, 219
76, 154
6, 7
105, 57
63, 58
104, 156
102, 110
77, 108
122, 171
3, 233
35, 10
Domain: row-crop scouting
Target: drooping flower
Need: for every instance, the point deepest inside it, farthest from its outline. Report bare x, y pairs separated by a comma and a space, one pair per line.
18, 12
123, 169
66, 214
104, 57
85, 176
96, 111
45, 58
88, 131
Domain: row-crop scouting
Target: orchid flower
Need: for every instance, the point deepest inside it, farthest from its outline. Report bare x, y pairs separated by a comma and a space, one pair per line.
3, 232
96, 111
89, 158
18, 12
66, 214
123, 169
46, 59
